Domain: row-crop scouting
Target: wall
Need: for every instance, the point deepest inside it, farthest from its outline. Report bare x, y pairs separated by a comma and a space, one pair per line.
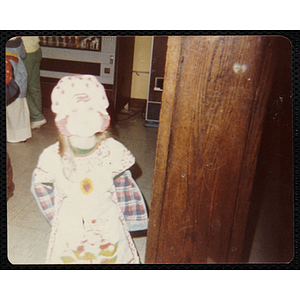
141, 69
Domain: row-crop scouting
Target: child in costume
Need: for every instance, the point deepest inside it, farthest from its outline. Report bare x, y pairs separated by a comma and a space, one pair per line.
82, 182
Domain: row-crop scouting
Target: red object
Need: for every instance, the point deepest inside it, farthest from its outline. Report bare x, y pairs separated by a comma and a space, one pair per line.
9, 71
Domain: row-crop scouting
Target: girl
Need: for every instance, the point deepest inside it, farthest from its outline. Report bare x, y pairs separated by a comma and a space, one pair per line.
80, 184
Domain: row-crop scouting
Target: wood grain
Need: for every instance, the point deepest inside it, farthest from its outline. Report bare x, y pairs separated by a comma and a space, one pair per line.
213, 107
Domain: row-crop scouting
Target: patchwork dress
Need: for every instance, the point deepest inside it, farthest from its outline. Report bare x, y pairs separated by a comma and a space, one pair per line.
90, 212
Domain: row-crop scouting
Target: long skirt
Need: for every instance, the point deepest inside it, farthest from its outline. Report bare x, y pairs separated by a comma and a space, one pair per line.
18, 121
95, 236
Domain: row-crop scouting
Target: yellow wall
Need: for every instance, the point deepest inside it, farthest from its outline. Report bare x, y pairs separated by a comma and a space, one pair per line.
141, 64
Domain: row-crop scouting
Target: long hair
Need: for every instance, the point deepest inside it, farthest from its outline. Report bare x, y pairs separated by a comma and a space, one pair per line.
67, 155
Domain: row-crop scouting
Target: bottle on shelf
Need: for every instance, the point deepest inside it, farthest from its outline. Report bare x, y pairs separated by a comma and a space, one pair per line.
77, 42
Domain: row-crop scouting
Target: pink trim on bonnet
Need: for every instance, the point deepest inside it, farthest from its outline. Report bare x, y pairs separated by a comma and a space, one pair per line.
62, 126
106, 122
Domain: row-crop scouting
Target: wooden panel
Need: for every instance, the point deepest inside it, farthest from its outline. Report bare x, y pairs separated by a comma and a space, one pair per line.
213, 107
70, 66
158, 65
123, 78
156, 78
138, 103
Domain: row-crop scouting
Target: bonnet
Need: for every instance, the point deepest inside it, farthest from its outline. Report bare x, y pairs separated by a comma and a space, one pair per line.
72, 91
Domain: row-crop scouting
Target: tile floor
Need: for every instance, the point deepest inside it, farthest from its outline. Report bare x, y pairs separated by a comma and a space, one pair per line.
28, 230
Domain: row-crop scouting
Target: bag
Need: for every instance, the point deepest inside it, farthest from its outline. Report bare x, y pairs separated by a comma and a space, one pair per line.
12, 89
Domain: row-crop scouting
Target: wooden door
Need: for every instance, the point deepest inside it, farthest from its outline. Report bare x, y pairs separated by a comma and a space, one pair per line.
159, 49
123, 73
215, 95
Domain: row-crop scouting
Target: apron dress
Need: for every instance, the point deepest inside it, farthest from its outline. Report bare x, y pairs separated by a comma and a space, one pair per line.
87, 211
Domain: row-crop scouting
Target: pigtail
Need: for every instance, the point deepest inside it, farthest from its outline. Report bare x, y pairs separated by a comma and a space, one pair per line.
67, 156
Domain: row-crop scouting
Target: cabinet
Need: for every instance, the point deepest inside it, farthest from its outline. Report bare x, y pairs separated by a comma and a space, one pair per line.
109, 58
158, 59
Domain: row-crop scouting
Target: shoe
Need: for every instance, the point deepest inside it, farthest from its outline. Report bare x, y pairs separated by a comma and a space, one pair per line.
15, 142
38, 124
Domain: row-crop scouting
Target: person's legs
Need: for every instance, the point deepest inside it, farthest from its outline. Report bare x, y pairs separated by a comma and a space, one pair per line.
34, 95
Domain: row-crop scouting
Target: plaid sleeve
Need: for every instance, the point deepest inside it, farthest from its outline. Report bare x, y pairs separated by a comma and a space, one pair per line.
42, 184
131, 202
44, 196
